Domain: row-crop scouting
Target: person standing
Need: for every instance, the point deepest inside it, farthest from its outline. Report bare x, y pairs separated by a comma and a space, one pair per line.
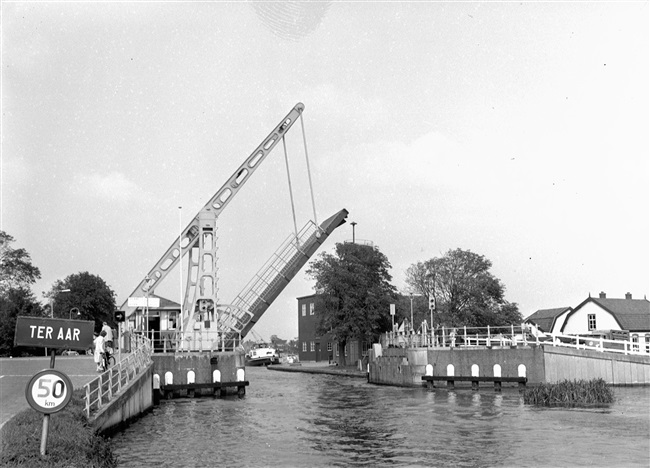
109, 334
99, 350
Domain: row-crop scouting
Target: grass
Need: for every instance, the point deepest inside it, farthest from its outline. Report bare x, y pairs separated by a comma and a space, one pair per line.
71, 441
593, 392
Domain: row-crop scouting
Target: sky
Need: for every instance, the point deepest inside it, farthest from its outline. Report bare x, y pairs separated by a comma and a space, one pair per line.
516, 130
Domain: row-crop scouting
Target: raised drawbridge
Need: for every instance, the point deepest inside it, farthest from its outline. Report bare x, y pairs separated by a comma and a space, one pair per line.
204, 322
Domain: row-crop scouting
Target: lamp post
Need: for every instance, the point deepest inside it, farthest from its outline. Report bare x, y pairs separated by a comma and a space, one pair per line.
52, 300
146, 307
353, 223
411, 297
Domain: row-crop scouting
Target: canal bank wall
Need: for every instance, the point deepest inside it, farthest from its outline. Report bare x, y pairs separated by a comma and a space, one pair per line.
538, 364
133, 401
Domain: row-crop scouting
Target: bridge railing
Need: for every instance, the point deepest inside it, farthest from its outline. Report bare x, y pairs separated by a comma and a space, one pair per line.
170, 341
510, 336
100, 391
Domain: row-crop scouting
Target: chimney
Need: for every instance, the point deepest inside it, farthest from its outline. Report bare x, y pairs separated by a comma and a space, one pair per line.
628, 296
602, 295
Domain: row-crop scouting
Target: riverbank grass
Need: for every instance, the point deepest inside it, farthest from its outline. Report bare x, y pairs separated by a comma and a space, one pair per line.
71, 441
593, 392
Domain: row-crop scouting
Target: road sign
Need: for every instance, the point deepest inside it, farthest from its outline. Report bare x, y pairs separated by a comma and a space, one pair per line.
142, 302
392, 309
49, 391
53, 333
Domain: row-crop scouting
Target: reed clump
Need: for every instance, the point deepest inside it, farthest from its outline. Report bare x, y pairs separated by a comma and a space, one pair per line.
71, 441
593, 392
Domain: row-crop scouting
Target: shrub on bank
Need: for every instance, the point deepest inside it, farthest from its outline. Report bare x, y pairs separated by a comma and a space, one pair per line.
71, 441
570, 393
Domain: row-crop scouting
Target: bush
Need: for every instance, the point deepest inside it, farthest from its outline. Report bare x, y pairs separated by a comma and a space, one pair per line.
71, 441
570, 393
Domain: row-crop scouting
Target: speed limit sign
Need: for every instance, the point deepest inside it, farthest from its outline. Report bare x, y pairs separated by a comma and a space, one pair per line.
49, 391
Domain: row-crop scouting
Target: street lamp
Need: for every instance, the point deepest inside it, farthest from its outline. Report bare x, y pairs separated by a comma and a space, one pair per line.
353, 223
52, 300
146, 292
411, 295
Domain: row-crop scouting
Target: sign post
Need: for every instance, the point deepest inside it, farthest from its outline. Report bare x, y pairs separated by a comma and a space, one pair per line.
50, 390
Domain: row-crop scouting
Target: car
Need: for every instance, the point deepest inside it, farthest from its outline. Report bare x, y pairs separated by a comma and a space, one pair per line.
70, 352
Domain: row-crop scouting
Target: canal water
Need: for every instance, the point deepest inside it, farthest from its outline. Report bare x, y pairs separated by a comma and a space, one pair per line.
305, 420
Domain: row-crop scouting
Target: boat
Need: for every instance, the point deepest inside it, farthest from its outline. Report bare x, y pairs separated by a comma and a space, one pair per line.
262, 356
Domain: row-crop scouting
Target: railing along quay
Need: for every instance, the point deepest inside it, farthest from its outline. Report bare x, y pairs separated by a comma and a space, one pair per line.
510, 336
100, 391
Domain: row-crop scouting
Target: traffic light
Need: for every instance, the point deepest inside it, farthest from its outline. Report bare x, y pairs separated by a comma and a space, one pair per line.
119, 316
432, 303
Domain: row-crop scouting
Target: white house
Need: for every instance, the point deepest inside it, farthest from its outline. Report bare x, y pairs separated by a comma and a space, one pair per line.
599, 315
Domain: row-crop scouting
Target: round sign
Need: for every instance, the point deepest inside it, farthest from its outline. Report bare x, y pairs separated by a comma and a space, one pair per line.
49, 391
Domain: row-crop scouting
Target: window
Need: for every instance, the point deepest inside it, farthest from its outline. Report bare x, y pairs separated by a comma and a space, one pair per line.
635, 342
647, 344
329, 345
304, 310
337, 350
304, 346
311, 309
312, 346
591, 321
345, 350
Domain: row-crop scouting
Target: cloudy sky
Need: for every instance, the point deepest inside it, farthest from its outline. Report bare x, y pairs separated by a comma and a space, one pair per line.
517, 130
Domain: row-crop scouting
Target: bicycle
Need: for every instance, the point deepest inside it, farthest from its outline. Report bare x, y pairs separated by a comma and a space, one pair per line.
108, 360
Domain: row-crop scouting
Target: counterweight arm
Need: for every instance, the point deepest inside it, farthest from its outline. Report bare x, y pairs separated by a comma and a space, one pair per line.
216, 204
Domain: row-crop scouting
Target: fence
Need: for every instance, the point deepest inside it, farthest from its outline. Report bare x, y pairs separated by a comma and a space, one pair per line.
510, 336
169, 341
110, 382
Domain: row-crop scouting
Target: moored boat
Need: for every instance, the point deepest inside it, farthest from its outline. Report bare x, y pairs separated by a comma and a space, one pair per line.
262, 356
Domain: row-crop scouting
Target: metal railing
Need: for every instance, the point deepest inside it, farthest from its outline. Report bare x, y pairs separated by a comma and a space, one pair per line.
100, 391
510, 336
171, 341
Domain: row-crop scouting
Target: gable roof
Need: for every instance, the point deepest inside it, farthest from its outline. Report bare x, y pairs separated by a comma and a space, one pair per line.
545, 318
630, 314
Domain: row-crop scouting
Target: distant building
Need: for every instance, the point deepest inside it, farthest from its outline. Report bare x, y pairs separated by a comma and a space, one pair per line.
321, 348
549, 320
599, 316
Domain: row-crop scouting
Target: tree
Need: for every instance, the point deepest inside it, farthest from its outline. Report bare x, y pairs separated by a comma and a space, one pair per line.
89, 294
16, 269
14, 303
354, 293
464, 290
17, 275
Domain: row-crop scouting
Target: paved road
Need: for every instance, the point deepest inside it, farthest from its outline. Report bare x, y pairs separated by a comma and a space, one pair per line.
15, 374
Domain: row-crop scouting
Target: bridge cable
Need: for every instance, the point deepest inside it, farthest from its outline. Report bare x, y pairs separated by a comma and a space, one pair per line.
311, 188
293, 208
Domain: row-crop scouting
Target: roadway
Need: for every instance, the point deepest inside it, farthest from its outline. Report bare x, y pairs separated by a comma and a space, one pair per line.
16, 372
